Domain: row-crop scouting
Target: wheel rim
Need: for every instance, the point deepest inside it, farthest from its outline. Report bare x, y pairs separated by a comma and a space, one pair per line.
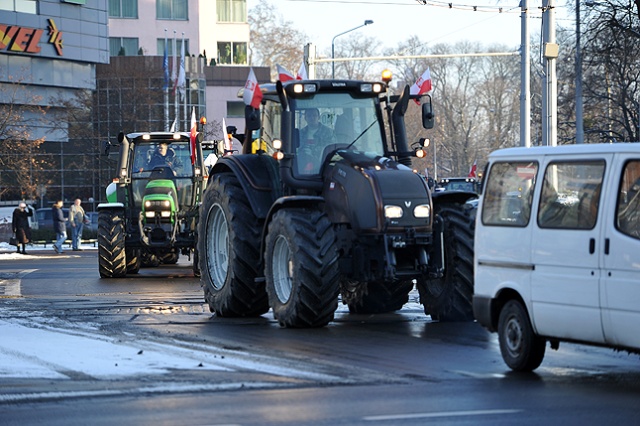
513, 336
218, 246
282, 267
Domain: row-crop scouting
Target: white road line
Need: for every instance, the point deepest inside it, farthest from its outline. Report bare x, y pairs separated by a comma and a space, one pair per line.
440, 414
12, 286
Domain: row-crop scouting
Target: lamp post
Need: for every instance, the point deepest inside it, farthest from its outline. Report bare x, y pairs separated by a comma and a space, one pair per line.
333, 64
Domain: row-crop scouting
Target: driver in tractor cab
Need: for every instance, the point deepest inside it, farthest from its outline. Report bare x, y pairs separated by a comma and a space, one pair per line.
165, 156
313, 138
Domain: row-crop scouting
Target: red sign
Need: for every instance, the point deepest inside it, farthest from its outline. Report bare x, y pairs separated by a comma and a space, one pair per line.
27, 40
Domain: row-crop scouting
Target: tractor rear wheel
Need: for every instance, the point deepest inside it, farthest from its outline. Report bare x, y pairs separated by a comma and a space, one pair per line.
133, 260
112, 261
228, 247
301, 268
450, 298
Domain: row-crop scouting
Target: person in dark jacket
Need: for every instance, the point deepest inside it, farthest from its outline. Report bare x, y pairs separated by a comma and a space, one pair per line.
20, 225
59, 226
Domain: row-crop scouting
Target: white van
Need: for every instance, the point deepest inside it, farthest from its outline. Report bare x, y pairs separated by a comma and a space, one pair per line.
557, 249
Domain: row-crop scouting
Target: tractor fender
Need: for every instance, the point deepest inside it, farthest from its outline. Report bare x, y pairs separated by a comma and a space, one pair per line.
258, 175
293, 201
457, 197
109, 206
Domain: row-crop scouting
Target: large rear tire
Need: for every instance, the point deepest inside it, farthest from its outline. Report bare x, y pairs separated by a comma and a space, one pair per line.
381, 297
521, 349
228, 247
112, 261
450, 298
133, 260
301, 268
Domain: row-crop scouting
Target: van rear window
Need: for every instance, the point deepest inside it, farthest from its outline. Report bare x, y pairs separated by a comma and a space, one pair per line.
508, 193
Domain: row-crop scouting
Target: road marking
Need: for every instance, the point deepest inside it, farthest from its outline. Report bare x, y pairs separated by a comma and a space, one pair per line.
440, 414
11, 282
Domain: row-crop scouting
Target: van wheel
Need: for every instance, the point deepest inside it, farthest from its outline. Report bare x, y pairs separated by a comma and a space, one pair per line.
521, 349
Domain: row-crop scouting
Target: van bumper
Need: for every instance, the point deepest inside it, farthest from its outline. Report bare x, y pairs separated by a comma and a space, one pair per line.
482, 311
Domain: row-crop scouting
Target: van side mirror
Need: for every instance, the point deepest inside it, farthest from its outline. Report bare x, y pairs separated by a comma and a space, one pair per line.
428, 119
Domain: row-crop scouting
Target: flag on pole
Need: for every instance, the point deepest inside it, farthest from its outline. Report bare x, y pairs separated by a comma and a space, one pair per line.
225, 138
252, 94
182, 82
165, 63
174, 65
283, 74
473, 169
173, 125
192, 137
302, 72
423, 85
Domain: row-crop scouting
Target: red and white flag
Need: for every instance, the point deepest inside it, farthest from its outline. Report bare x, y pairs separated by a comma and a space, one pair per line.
225, 138
284, 74
194, 134
423, 85
252, 93
473, 170
302, 72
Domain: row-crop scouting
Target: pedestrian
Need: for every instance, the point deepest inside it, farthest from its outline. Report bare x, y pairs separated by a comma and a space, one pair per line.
59, 226
20, 225
77, 218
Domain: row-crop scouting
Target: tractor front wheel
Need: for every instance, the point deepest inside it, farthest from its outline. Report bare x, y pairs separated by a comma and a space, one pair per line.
112, 260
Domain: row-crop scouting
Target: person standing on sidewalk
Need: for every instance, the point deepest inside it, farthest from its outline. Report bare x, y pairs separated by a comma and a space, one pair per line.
20, 225
59, 226
76, 219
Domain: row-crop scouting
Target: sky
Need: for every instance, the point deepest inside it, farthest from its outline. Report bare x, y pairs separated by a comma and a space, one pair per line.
397, 20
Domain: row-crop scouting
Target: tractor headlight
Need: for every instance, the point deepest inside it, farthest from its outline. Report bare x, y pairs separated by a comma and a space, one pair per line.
150, 215
393, 212
165, 213
422, 211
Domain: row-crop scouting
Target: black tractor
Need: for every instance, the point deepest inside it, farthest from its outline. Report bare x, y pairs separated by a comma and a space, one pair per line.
322, 205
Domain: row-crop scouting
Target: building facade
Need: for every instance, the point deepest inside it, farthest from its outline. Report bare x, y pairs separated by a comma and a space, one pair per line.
49, 49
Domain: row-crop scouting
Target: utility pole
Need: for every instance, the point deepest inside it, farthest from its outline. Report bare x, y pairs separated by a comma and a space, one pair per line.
550, 82
525, 78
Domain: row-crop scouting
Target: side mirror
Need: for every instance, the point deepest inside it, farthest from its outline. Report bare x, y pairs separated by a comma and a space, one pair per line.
428, 119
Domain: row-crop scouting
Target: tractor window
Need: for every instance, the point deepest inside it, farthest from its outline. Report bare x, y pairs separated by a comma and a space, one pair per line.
331, 121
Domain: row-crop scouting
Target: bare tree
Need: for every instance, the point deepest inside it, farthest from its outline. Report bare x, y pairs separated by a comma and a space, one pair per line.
274, 40
20, 169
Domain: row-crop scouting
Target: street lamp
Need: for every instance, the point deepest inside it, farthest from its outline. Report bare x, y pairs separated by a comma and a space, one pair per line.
333, 64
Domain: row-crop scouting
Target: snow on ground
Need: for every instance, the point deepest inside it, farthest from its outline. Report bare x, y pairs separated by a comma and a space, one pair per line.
8, 252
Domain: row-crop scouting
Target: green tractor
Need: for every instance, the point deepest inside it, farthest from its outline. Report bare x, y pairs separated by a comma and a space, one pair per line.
151, 214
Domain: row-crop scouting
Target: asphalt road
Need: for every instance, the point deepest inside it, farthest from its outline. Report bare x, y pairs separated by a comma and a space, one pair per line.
391, 369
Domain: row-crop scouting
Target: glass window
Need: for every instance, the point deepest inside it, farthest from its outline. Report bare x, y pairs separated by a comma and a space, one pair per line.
628, 205
123, 8
240, 53
123, 46
508, 193
571, 195
235, 109
176, 10
22, 6
231, 10
224, 53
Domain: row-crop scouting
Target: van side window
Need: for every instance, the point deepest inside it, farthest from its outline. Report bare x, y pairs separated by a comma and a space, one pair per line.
628, 206
508, 194
571, 195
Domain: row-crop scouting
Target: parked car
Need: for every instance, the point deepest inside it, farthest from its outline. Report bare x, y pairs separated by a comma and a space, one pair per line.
466, 184
93, 221
557, 240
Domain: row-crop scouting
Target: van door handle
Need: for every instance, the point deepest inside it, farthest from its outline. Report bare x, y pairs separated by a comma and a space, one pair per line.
592, 245
606, 246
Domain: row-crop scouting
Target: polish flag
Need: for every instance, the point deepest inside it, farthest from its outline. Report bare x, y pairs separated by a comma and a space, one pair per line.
473, 169
423, 85
225, 138
252, 93
302, 73
194, 134
283, 74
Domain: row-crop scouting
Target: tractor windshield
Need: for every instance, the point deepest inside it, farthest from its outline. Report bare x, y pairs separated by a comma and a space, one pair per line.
162, 160
331, 121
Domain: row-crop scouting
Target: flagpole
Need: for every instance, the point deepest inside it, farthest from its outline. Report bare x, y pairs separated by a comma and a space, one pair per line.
175, 83
184, 90
165, 70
